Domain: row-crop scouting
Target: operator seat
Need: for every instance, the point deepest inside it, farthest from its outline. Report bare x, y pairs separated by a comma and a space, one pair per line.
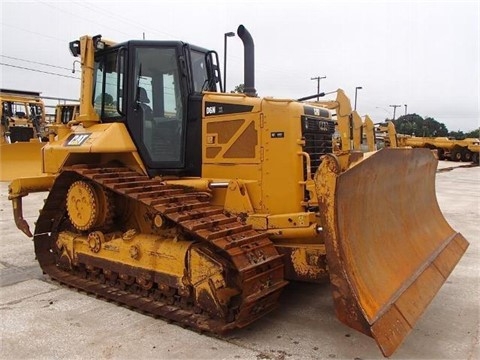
145, 115
144, 101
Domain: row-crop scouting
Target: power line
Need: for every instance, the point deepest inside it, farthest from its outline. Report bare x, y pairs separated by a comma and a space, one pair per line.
33, 32
95, 9
265, 68
39, 71
36, 62
261, 67
76, 15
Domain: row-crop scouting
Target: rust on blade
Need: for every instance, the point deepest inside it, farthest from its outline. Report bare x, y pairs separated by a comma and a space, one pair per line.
389, 248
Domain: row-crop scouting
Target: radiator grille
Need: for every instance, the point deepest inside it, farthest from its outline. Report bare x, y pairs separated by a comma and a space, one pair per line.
318, 135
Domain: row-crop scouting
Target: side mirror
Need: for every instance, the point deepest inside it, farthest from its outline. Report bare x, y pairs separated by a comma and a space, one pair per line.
74, 47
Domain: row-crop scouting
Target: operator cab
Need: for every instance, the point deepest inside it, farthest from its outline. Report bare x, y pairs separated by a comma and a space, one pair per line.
155, 88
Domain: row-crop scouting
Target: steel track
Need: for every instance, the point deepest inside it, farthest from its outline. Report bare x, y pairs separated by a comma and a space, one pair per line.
251, 253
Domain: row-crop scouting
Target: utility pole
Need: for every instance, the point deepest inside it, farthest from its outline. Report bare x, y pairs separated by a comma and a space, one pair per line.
394, 109
318, 78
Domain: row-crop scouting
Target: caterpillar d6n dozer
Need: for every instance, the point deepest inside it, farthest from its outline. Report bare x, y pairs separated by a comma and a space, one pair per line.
191, 204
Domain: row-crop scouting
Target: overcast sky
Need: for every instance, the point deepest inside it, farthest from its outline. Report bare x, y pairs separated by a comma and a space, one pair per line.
422, 53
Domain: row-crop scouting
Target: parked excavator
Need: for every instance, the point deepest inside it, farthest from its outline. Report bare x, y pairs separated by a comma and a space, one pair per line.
194, 205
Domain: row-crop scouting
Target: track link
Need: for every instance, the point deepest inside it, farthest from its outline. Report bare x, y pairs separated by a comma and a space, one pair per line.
258, 264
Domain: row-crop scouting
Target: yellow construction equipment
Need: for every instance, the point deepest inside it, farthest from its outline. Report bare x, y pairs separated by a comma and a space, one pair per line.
23, 132
64, 113
23, 116
65, 116
466, 150
474, 148
452, 149
25, 129
197, 206
369, 134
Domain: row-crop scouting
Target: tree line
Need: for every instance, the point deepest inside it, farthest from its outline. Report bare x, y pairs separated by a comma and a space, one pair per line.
415, 125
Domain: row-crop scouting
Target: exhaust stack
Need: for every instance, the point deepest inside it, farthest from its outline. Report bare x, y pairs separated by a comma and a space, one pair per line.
249, 61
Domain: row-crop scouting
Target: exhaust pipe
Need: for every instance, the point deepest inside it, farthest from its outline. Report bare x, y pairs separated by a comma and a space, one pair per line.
249, 61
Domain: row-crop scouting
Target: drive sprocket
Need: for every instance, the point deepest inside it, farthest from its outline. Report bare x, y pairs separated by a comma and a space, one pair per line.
88, 206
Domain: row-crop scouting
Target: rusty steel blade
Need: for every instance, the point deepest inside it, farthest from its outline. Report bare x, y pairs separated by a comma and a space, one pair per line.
389, 248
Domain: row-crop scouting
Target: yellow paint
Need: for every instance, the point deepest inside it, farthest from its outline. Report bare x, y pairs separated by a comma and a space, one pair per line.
21, 159
357, 126
57, 154
23, 186
343, 109
369, 133
305, 262
265, 170
237, 198
154, 253
293, 220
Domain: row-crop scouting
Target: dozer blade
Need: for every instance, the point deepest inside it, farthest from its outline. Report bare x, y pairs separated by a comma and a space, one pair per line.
20, 159
389, 248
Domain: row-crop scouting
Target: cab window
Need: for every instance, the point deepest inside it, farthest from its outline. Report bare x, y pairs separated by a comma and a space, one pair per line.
159, 104
107, 98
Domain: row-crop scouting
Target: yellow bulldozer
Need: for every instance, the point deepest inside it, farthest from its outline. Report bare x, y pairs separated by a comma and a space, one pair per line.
198, 206
26, 127
23, 133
